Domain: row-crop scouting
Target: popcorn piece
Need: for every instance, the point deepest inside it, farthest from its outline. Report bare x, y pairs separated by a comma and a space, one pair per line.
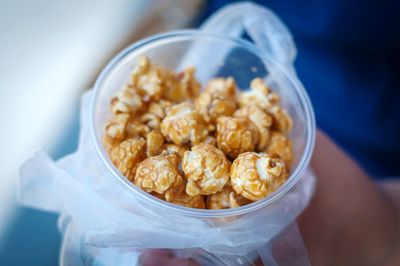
236, 135
282, 146
155, 114
260, 119
255, 175
127, 100
172, 148
206, 170
225, 199
149, 78
259, 95
160, 174
154, 143
127, 155
136, 129
182, 86
186, 200
115, 131
220, 85
218, 99
183, 124
281, 119
210, 140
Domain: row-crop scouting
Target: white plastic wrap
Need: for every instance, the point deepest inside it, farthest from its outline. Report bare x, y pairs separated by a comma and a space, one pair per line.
98, 211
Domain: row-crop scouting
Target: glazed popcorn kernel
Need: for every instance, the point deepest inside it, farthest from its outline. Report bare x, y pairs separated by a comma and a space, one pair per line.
172, 148
260, 94
260, 119
206, 170
281, 119
210, 140
182, 86
281, 146
127, 100
236, 135
160, 174
255, 175
136, 129
186, 200
115, 131
155, 114
218, 99
221, 85
225, 199
127, 155
154, 143
183, 124
148, 78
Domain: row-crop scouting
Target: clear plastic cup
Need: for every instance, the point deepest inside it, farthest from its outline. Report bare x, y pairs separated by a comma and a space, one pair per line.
219, 56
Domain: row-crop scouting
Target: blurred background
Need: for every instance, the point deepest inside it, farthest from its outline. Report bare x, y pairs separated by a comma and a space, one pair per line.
51, 51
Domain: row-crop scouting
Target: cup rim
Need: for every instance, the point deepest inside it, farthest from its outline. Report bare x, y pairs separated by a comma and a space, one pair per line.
294, 177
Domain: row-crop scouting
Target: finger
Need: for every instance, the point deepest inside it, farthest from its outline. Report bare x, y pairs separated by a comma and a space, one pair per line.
152, 257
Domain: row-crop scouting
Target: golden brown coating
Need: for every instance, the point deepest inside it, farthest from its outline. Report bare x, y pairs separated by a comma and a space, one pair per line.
210, 140
218, 99
236, 135
206, 170
172, 148
154, 143
260, 94
127, 100
182, 86
282, 146
155, 114
127, 155
256, 175
160, 174
115, 131
260, 119
148, 78
226, 86
281, 119
183, 125
225, 199
136, 129
186, 200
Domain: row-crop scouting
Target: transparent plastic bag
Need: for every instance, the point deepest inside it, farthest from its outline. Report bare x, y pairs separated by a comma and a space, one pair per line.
106, 219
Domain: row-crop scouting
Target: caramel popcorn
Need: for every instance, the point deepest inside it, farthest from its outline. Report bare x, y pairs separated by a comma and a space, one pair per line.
282, 146
260, 119
259, 95
183, 86
255, 175
148, 78
136, 129
187, 137
220, 85
127, 155
236, 135
115, 131
210, 140
172, 148
127, 100
225, 199
154, 143
206, 170
281, 120
183, 124
160, 174
155, 114
186, 200
217, 100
